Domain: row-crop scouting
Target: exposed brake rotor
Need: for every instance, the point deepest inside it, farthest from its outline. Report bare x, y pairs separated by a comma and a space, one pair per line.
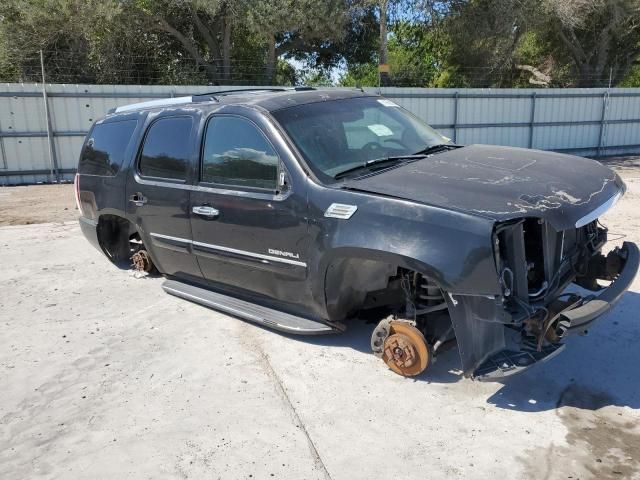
402, 347
142, 261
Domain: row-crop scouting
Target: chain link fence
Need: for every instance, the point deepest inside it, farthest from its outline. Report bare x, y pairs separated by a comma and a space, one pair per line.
42, 125
67, 67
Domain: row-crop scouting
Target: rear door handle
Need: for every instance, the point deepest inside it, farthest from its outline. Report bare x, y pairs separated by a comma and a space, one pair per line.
205, 211
138, 199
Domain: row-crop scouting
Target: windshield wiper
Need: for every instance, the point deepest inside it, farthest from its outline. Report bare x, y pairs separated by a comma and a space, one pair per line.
377, 161
437, 148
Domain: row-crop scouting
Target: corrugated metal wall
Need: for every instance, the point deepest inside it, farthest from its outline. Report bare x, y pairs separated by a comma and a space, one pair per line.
583, 121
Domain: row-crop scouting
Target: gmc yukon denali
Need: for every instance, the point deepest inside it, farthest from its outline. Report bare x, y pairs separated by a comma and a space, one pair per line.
305, 209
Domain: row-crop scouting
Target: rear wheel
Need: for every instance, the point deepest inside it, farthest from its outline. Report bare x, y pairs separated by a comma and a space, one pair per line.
122, 244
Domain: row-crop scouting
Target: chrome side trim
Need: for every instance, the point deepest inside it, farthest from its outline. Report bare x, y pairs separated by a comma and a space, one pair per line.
168, 242
245, 253
169, 237
590, 217
250, 254
219, 191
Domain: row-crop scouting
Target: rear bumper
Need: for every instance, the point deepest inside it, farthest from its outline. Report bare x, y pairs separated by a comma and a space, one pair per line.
90, 231
579, 319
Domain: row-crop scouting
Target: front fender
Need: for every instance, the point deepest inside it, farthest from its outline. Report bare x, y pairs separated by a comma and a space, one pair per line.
452, 248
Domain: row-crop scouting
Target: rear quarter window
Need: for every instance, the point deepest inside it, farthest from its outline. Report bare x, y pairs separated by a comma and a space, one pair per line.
104, 150
167, 148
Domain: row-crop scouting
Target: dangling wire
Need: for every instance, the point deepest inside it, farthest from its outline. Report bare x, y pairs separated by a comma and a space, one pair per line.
405, 284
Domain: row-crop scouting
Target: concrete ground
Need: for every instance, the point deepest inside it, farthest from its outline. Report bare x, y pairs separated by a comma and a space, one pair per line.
105, 376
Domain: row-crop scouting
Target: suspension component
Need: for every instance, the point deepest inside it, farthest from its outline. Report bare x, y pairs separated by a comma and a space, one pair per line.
428, 297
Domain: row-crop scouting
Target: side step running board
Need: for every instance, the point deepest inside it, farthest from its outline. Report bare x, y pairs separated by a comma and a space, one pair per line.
265, 316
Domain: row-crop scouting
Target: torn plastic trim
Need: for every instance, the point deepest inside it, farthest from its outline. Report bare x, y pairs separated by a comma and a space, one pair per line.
479, 326
580, 318
507, 363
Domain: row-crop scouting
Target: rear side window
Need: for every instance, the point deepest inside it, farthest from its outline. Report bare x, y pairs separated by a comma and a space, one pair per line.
167, 148
236, 153
103, 152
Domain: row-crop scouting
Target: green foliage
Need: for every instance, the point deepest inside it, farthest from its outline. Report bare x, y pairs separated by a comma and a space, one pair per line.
286, 74
315, 78
531, 49
416, 57
430, 43
632, 79
360, 75
450, 77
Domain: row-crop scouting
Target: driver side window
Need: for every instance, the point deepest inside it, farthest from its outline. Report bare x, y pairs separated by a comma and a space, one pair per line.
237, 154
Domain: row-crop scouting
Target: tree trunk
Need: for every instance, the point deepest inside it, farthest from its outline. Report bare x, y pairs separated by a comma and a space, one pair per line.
586, 77
190, 47
271, 60
384, 76
226, 49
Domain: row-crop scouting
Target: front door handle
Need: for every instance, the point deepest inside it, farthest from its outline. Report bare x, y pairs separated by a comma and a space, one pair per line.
205, 211
138, 199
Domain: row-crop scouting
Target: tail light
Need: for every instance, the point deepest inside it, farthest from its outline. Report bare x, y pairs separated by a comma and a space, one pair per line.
76, 188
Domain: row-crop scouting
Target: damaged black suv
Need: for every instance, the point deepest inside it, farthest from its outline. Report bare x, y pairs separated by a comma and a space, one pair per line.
304, 209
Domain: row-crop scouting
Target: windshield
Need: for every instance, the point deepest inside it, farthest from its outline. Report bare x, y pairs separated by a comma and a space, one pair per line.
339, 135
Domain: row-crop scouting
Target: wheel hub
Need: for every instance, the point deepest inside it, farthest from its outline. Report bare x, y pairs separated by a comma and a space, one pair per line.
403, 347
141, 261
399, 350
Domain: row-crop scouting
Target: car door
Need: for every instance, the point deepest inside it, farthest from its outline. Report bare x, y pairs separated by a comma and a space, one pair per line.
158, 192
249, 222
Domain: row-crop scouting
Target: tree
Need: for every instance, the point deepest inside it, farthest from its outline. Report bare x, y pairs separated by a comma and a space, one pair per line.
409, 40
549, 42
484, 37
416, 57
60, 28
203, 28
602, 37
296, 27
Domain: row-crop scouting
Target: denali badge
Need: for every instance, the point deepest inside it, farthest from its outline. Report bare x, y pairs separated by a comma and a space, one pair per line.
283, 254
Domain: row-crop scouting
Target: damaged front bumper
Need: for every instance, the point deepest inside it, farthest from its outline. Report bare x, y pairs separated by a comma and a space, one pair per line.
579, 319
483, 336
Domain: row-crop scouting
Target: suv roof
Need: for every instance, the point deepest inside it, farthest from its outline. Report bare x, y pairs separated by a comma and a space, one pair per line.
269, 98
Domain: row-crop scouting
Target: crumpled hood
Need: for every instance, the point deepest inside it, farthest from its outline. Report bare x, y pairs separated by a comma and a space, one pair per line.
501, 183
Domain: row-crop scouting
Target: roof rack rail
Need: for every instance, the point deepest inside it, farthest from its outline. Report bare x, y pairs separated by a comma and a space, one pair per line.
200, 97
161, 102
212, 95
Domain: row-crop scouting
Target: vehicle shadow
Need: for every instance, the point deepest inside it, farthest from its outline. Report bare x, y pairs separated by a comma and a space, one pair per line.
445, 369
593, 372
